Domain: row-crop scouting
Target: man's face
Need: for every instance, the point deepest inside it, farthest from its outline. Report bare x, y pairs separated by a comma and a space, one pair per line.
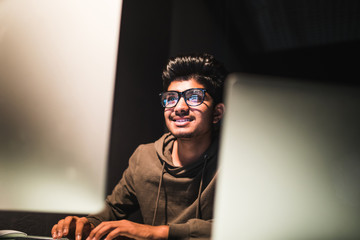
189, 122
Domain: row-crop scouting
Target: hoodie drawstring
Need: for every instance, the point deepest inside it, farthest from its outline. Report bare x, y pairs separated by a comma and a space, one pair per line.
158, 194
198, 210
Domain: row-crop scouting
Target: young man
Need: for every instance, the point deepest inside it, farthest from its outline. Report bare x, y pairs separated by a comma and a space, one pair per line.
171, 181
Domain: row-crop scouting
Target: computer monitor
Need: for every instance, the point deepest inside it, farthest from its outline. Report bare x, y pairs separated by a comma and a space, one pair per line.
289, 161
57, 74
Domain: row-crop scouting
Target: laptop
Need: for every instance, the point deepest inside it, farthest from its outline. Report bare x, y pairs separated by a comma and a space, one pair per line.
289, 161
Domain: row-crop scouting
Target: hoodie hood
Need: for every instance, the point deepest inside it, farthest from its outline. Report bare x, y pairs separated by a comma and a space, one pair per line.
164, 146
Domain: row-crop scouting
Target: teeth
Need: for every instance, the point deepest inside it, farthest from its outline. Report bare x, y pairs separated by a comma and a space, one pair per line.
182, 120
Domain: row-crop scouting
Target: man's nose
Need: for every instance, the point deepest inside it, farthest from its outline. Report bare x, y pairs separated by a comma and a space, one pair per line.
181, 106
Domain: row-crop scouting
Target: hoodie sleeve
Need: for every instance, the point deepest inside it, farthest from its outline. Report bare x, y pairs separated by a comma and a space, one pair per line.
192, 229
122, 201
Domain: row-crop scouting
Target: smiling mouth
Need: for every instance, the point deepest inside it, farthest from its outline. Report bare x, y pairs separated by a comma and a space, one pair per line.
181, 120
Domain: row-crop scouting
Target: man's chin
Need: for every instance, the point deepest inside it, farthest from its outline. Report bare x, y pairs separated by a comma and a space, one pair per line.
179, 135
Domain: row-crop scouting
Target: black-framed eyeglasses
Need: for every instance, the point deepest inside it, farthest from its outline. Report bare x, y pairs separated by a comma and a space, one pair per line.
193, 97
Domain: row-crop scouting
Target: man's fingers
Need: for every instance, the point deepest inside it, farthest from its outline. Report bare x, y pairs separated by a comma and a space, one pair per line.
92, 233
79, 230
54, 231
67, 224
113, 234
59, 229
100, 231
66, 227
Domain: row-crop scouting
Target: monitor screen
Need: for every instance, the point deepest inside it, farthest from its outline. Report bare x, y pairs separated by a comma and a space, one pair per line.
289, 160
57, 74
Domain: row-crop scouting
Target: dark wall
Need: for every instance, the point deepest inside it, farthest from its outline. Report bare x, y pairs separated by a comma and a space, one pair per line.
143, 50
308, 39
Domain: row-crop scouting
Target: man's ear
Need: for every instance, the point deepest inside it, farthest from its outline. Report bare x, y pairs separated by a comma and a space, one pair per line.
219, 111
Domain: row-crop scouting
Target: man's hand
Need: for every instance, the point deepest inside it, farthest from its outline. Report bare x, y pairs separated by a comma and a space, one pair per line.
72, 227
125, 229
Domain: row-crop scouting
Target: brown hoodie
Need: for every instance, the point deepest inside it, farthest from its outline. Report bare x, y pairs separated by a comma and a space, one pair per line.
164, 193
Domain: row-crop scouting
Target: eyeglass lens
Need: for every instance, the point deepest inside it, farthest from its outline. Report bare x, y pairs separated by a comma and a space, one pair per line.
193, 97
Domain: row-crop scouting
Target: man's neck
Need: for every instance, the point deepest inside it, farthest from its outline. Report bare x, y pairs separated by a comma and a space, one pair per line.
187, 151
